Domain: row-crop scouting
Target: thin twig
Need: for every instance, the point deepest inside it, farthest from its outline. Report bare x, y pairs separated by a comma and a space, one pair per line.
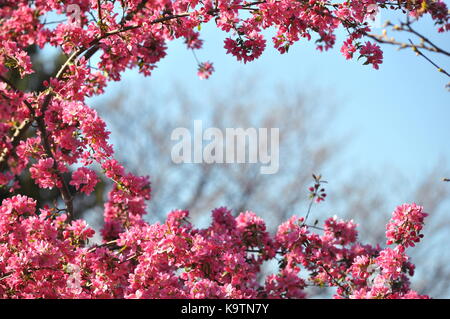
425, 39
415, 49
100, 12
6, 276
309, 210
109, 243
335, 281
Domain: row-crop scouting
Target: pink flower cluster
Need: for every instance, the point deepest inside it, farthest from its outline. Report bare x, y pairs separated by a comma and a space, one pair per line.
205, 70
406, 225
246, 50
44, 174
372, 53
125, 41
84, 179
44, 256
390, 268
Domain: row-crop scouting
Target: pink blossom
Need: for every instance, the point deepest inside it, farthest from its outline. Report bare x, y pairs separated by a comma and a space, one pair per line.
406, 225
372, 53
205, 70
44, 173
348, 49
84, 179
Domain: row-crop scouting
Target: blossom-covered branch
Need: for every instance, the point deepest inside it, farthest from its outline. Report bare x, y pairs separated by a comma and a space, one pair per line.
46, 257
425, 43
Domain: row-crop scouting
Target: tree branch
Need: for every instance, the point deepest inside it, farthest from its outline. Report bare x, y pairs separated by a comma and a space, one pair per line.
19, 131
428, 59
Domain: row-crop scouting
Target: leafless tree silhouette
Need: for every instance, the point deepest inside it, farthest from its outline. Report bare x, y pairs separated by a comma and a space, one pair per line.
307, 145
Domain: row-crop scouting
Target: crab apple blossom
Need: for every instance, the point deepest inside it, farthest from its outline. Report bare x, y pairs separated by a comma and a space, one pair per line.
205, 70
44, 255
56, 138
84, 179
406, 225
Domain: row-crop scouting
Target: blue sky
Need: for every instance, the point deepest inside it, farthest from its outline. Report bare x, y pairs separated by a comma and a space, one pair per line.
399, 114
